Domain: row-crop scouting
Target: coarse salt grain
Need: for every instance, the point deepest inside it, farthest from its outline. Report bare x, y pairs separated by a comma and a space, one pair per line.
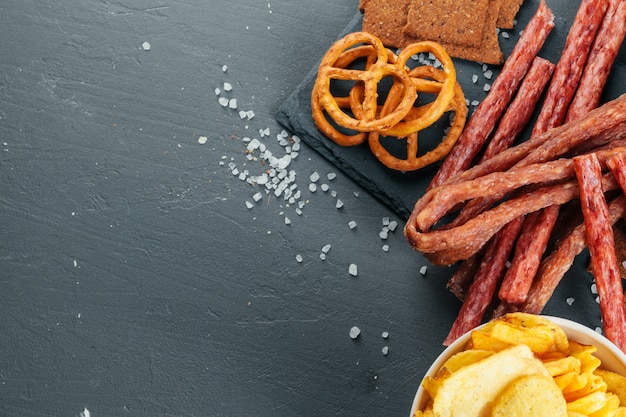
352, 270
352, 224
385, 335
354, 332
299, 258
339, 204
385, 350
202, 140
312, 187
569, 301
249, 205
423, 270
146, 46
326, 248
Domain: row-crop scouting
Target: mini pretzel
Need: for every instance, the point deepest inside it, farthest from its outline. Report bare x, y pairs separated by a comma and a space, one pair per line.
348, 57
369, 78
447, 78
413, 161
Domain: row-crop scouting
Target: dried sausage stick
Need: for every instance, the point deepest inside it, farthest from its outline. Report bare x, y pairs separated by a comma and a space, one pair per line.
536, 232
571, 64
514, 120
483, 287
601, 58
521, 108
529, 249
554, 266
482, 122
447, 246
601, 244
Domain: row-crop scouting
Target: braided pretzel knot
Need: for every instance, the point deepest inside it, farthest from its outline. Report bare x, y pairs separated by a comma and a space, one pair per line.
368, 112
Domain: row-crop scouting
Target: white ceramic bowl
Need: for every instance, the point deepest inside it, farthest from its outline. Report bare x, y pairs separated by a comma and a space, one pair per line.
612, 358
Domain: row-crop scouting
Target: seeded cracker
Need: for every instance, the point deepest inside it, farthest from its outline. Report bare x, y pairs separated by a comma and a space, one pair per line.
387, 20
447, 21
508, 11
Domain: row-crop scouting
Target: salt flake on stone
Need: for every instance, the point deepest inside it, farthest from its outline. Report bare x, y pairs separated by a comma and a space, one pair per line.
352, 270
354, 332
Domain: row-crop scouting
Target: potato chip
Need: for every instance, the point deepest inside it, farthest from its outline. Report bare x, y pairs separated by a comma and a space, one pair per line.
540, 339
482, 340
588, 404
464, 358
532, 321
530, 396
471, 389
558, 367
616, 384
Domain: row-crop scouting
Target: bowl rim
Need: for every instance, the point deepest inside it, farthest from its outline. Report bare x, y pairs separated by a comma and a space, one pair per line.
612, 358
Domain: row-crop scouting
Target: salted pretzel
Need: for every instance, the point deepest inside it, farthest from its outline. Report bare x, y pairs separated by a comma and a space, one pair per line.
369, 78
431, 81
367, 112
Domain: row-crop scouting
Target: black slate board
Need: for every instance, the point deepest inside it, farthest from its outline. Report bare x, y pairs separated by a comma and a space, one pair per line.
399, 191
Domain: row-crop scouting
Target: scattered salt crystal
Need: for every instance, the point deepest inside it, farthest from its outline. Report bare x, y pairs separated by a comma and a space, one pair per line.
299, 212
331, 176
228, 86
314, 177
202, 140
339, 204
333, 193
356, 194
569, 301
487, 87
393, 225
384, 233
385, 335
598, 330
223, 101
75, 263
312, 187
474, 78
352, 224
324, 187
488, 74
217, 91
352, 270
146, 46
385, 248
326, 248
323, 256
232, 103
385, 350
299, 258
249, 205
224, 68
354, 332
505, 35
594, 288
385, 221
423, 270
257, 196
475, 103
287, 221
250, 114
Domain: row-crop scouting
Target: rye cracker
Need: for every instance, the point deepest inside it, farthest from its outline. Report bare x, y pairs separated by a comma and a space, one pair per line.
447, 21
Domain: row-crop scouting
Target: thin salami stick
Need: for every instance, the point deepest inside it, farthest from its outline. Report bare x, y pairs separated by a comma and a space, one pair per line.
617, 165
484, 119
529, 249
606, 46
601, 244
512, 123
534, 236
483, 286
461, 279
571, 64
554, 266
521, 108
